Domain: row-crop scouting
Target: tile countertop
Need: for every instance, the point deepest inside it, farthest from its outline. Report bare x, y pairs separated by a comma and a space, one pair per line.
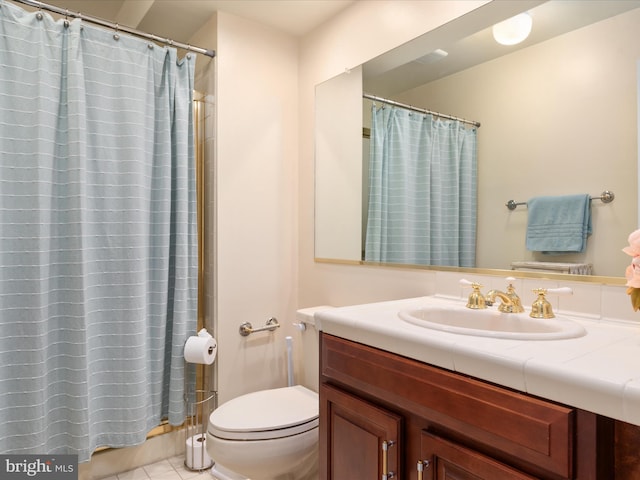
598, 372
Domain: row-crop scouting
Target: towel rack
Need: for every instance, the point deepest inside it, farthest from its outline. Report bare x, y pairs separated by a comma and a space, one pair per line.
247, 329
606, 197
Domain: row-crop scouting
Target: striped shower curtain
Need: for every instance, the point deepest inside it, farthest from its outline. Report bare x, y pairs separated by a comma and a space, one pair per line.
422, 190
98, 244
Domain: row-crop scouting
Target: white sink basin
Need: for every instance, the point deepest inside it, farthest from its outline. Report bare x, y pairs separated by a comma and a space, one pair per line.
491, 323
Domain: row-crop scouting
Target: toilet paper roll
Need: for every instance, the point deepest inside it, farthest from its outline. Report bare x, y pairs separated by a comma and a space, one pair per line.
196, 456
201, 348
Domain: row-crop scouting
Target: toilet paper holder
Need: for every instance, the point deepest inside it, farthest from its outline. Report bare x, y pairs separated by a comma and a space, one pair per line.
247, 329
199, 405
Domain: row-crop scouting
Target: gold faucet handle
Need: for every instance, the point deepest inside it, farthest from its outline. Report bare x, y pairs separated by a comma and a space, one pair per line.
541, 307
476, 299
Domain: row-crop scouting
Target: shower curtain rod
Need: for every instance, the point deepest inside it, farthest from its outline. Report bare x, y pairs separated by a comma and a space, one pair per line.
421, 110
116, 26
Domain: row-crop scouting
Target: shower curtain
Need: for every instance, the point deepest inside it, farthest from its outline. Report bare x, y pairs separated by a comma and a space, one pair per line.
422, 190
98, 241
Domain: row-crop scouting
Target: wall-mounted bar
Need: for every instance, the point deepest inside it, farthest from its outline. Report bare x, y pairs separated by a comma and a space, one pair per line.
247, 329
606, 197
416, 109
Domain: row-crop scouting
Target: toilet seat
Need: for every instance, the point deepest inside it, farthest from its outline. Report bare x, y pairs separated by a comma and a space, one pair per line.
267, 414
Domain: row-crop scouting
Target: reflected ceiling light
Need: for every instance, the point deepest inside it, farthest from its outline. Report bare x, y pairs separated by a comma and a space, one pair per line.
513, 30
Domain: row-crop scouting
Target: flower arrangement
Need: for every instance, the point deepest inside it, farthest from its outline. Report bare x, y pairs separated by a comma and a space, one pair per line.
633, 271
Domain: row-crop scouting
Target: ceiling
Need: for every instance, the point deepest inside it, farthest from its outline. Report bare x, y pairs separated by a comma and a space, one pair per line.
414, 63
180, 19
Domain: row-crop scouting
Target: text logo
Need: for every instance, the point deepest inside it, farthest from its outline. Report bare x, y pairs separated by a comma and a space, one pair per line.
38, 467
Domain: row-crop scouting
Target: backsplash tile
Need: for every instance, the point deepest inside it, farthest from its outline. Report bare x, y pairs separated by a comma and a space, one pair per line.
586, 300
616, 304
448, 284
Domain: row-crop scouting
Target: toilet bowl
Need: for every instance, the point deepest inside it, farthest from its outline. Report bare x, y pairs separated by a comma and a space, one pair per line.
266, 435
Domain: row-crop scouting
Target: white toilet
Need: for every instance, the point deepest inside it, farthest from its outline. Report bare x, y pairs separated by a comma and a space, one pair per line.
270, 434
265, 435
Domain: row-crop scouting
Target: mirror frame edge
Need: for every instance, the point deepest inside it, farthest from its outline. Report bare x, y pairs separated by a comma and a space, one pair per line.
494, 272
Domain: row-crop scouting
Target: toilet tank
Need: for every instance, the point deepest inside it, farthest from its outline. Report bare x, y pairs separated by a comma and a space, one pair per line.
309, 348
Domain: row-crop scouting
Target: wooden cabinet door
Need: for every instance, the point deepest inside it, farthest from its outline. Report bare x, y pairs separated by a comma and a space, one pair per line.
353, 433
449, 461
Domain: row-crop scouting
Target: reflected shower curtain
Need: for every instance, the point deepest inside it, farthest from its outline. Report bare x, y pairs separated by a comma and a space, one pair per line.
422, 198
98, 244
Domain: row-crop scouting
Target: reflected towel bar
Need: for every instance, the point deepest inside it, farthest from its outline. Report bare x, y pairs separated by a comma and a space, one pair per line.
606, 197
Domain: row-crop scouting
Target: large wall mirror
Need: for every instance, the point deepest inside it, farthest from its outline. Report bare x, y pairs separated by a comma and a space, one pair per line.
558, 116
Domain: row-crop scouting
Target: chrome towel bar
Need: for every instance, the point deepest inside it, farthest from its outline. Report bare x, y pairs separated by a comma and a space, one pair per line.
606, 197
247, 329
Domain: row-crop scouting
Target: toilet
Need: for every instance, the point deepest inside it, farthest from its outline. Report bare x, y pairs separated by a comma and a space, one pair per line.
265, 435
270, 434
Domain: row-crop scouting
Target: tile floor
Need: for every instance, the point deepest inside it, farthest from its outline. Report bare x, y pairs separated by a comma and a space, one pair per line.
170, 469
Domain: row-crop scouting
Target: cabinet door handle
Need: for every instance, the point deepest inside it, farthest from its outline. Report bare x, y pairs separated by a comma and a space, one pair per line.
422, 464
386, 474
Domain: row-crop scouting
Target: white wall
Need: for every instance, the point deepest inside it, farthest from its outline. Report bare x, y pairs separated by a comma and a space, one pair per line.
255, 200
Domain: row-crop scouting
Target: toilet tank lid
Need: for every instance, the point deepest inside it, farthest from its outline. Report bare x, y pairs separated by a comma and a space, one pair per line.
267, 410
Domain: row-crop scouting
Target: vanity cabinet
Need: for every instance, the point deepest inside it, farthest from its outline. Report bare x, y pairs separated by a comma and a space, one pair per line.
459, 427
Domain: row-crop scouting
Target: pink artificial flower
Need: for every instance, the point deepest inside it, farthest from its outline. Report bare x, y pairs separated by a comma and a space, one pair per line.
633, 273
634, 244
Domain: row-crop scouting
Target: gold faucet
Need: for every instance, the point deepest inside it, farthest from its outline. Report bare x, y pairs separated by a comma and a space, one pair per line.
510, 301
506, 303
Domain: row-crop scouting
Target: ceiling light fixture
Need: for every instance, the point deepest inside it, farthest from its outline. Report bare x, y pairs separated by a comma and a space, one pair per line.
513, 30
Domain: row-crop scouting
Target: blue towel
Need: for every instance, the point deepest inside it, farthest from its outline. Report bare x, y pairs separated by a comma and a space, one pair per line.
558, 225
